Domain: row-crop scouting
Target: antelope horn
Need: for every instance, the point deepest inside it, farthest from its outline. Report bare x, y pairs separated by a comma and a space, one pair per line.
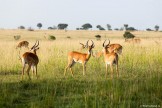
82, 44
37, 44
34, 45
104, 43
92, 43
87, 43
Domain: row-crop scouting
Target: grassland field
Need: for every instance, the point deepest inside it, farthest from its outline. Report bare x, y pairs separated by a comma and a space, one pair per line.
140, 68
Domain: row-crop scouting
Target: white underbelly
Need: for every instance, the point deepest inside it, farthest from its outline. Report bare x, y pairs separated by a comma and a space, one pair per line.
79, 61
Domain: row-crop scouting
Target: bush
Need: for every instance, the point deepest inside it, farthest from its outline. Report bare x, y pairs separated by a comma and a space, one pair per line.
51, 37
68, 37
128, 35
98, 37
17, 37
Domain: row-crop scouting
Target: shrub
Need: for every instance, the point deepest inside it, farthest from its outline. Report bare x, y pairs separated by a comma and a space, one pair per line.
17, 37
128, 35
51, 37
98, 37
68, 37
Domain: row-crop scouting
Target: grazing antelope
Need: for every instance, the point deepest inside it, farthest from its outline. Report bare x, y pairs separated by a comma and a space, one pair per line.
23, 44
110, 58
82, 58
31, 59
133, 40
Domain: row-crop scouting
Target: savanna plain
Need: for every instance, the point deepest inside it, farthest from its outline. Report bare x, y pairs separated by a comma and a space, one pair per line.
139, 83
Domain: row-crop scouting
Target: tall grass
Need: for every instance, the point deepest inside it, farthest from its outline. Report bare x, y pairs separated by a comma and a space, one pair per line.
139, 84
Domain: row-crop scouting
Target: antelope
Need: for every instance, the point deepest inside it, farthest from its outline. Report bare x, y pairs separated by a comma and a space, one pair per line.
23, 44
110, 58
82, 58
31, 59
133, 40
117, 48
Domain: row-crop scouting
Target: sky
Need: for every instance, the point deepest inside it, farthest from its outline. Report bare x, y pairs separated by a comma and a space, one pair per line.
140, 14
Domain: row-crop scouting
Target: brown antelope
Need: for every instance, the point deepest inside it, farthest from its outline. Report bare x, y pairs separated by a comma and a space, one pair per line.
133, 40
110, 59
117, 48
23, 44
82, 58
31, 59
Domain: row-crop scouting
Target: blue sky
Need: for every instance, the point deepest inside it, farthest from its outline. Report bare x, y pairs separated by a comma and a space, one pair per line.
140, 14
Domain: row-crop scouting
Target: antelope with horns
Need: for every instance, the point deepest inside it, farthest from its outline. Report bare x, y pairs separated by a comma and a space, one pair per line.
111, 58
31, 59
82, 58
23, 44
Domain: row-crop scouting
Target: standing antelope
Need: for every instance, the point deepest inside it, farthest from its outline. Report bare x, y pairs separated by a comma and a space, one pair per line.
23, 44
31, 59
117, 48
110, 58
82, 58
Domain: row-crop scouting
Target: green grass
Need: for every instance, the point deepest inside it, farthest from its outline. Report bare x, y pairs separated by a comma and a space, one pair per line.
140, 80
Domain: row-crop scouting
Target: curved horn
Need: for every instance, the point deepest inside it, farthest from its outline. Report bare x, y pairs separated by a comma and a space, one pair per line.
108, 43
37, 44
92, 43
104, 43
87, 43
33, 45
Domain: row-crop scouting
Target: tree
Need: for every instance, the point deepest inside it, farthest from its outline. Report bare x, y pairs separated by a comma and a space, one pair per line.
86, 26
131, 28
21, 27
126, 26
62, 26
99, 27
148, 29
109, 27
39, 25
156, 27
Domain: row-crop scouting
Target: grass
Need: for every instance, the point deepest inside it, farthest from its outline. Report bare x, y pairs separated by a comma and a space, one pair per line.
139, 66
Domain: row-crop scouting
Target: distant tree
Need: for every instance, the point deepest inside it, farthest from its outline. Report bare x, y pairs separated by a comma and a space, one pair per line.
126, 26
50, 28
62, 26
128, 35
99, 27
116, 29
131, 29
157, 28
86, 26
148, 29
108, 27
39, 25
21, 27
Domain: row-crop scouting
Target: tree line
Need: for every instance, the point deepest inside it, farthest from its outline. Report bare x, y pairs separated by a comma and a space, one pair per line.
87, 26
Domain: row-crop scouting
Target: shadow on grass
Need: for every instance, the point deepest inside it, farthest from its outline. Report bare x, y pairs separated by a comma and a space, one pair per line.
69, 92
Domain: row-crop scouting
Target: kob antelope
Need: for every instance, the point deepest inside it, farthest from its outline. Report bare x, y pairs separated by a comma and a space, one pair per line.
117, 48
31, 59
111, 58
82, 58
23, 44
